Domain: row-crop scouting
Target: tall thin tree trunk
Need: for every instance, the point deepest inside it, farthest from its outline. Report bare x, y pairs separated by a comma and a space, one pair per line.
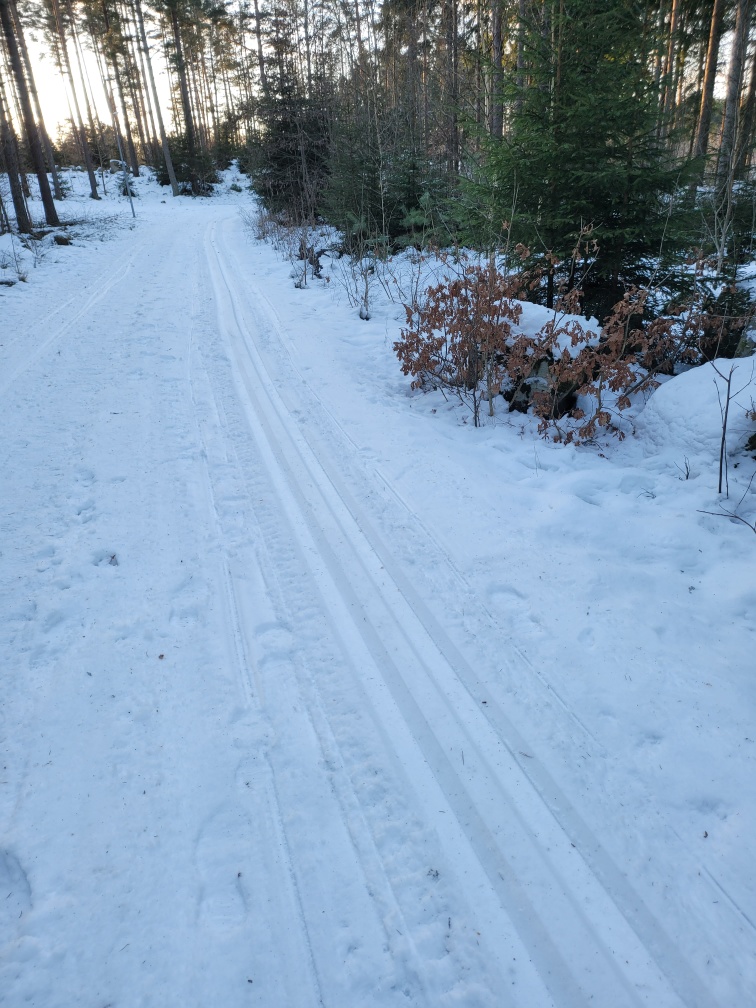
260, 53
191, 137
668, 102
497, 74
520, 78
412, 72
78, 124
130, 148
43, 135
30, 126
156, 99
10, 157
732, 99
747, 118
135, 86
452, 86
102, 66
701, 142
94, 128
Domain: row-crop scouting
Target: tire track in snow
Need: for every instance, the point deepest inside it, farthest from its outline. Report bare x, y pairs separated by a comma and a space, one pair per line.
530, 862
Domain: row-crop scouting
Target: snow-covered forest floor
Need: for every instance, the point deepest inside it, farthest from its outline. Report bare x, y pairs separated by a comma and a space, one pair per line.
314, 694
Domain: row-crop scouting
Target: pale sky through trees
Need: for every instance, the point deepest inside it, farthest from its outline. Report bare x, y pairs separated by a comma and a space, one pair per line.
53, 94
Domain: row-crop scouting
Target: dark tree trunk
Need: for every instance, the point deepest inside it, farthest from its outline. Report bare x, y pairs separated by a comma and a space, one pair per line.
732, 99
44, 138
186, 105
130, 148
701, 143
747, 118
156, 100
497, 75
78, 124
30, 126
260, 53
10, 157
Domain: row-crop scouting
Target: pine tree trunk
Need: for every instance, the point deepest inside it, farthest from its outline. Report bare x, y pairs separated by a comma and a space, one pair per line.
668, 103
135, 98
747, 120
30, 126
158, 113
94, 128
78, 125
126, 138
260, 53
701, 142
102, 66
10, 157
135, 86
497, 75
452, 95
145, 97
43, 136
520, 78
191, 139
412, 73
732, 101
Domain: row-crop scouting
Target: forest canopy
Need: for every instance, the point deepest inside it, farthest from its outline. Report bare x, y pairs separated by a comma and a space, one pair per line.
513, 123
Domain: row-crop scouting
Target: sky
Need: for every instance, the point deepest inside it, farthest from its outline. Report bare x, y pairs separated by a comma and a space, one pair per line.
53, 92
54, 98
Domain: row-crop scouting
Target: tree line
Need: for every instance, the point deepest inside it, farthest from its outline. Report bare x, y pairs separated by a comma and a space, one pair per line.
500, 124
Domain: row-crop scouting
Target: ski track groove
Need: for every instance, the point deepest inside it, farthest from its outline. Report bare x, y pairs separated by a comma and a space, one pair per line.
350, 596
567, 989
501, 875
99, 288
616, 881
687, 981
370, 861
250, 682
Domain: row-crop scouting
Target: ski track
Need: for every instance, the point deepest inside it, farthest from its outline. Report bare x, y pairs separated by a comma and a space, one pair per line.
533, 877
339, 804
101, 287
339, 458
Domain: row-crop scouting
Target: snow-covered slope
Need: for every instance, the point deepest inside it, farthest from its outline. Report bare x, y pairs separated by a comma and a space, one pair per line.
315, 695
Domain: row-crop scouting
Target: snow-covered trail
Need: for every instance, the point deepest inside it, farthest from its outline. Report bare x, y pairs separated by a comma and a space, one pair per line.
248, 764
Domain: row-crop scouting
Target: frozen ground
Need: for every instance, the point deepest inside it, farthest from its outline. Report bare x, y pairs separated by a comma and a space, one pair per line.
315, 695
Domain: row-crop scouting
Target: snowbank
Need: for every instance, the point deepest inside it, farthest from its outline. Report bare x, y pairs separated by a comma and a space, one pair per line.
686, 412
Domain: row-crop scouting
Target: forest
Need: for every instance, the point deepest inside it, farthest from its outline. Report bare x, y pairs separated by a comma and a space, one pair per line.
596, 153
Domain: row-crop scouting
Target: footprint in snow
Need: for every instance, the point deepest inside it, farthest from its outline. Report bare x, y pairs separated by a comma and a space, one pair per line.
221, 855
15, 892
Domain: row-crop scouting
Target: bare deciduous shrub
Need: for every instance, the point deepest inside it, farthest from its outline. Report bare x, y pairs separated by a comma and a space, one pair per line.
458, 338
463, 336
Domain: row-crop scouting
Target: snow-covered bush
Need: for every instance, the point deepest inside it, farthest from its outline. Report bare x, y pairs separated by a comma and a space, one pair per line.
464, 335
458, 337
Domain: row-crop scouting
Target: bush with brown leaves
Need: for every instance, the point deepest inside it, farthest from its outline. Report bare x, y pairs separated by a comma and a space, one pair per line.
463, 337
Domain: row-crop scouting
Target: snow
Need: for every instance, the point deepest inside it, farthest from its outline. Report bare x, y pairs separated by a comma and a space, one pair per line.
314, 694
669, 420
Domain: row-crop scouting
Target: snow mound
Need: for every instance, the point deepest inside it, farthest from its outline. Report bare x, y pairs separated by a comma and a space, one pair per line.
686, 411
534, 317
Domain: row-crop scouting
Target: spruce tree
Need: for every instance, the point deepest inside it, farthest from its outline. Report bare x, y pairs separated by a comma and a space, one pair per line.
581, 148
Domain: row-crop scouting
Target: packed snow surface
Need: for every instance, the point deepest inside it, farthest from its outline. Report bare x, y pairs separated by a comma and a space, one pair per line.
315, 695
